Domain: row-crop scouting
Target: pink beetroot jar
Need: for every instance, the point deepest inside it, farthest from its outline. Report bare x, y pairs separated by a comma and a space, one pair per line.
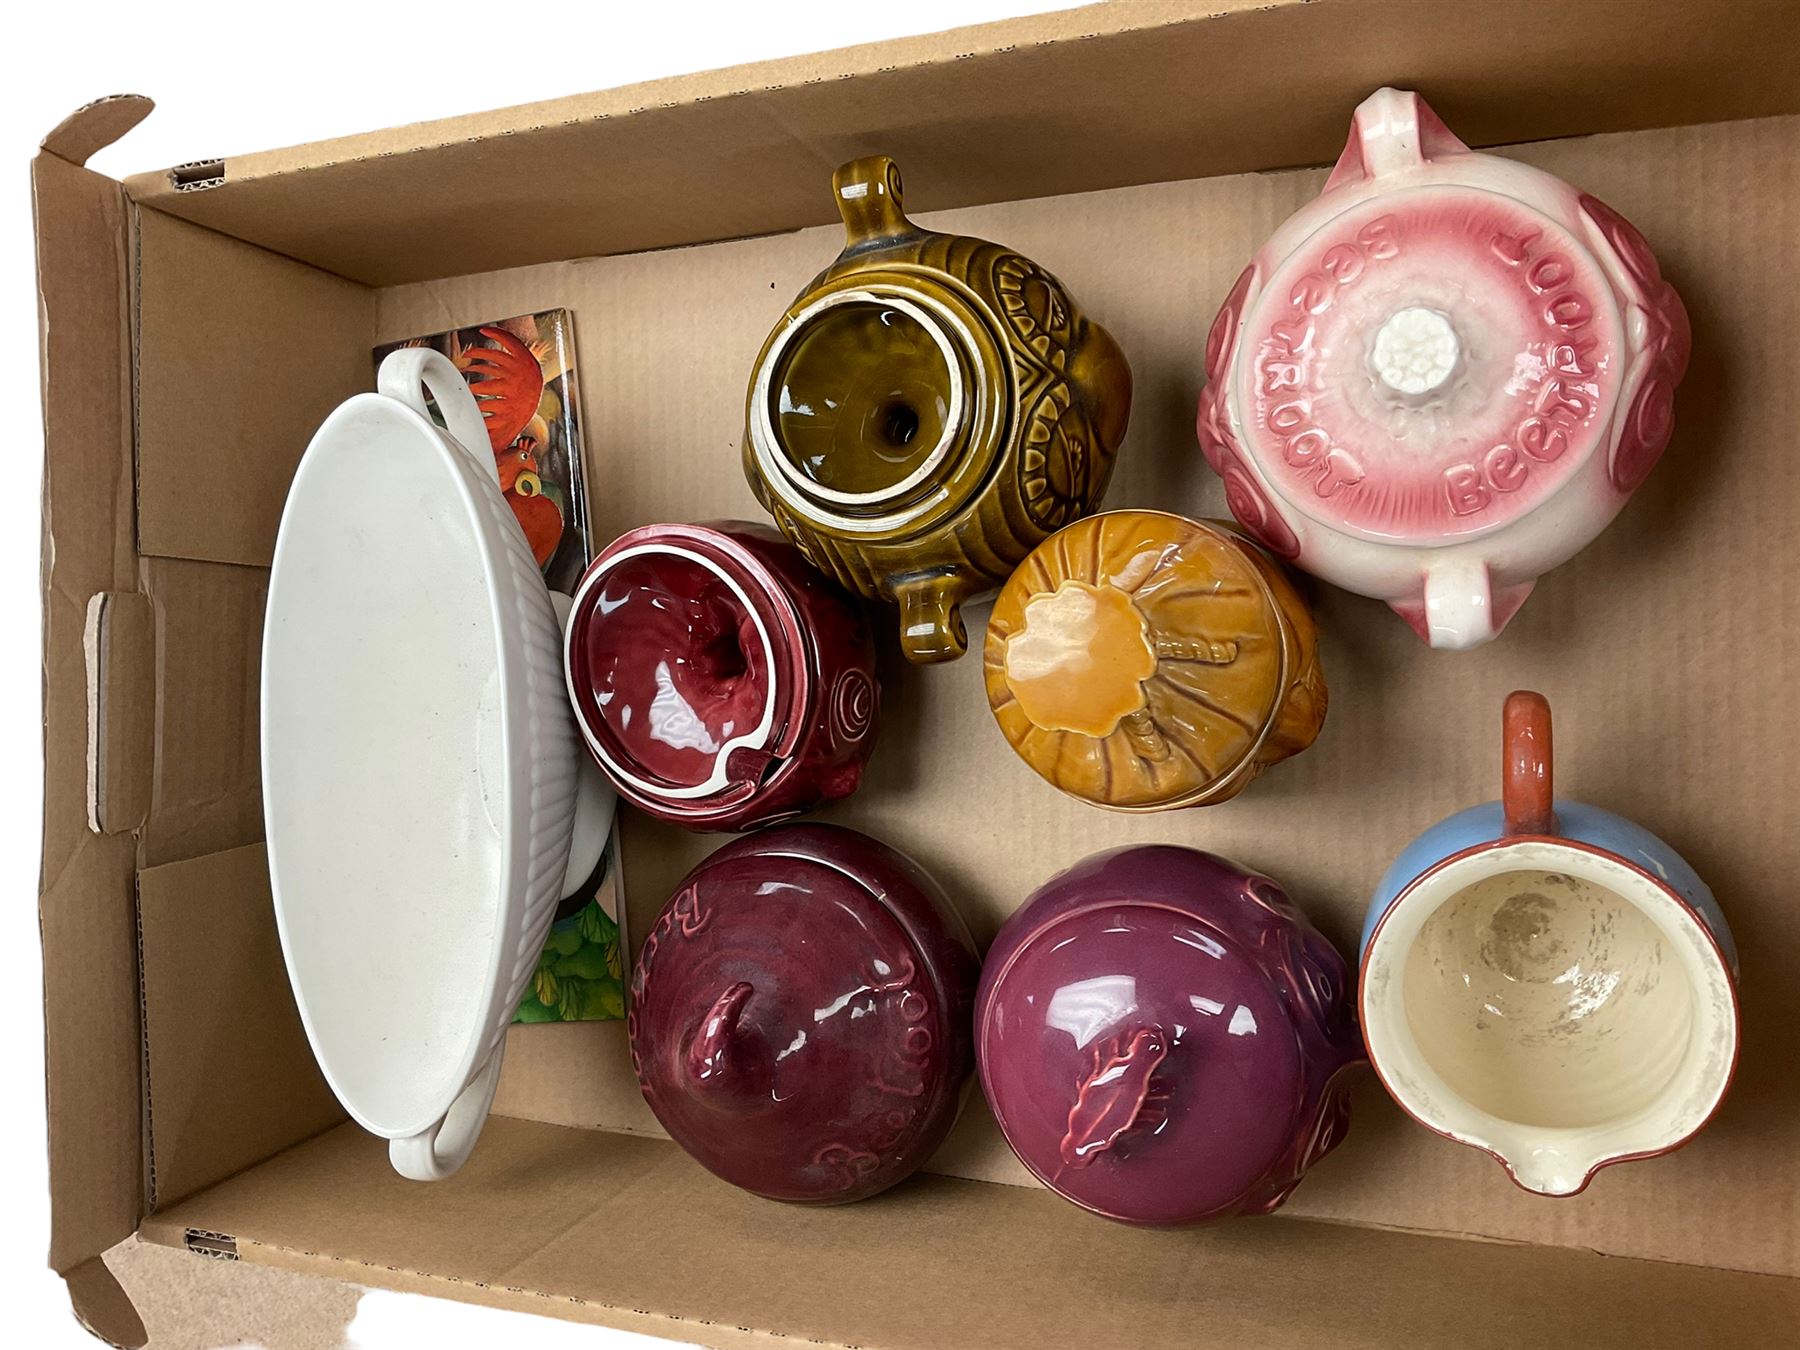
1441, 378
720, 681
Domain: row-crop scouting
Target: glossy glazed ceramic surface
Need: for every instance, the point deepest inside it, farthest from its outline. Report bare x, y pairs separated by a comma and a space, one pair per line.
720, 681
1554, 985
1143, 661
1443, 377
862, 399
1165, 1039
800, 1014
710, 681
928, 410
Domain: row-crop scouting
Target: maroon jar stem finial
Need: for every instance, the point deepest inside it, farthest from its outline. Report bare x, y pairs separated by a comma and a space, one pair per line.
749, 1050
715, 1066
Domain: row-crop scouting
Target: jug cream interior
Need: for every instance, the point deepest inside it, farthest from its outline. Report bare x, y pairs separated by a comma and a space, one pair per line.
1553, 1006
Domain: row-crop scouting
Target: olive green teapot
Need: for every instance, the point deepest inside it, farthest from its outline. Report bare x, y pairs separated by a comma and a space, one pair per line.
928, 410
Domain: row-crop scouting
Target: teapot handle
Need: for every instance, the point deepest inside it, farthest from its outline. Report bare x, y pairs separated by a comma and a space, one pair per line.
1394, 130
931, 625
868, 197
400, 376
1458, 605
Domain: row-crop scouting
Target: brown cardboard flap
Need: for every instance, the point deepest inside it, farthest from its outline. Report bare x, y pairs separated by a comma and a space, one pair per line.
573, 1073
207, 793
605, 1228
231, 1080
91, 1049
241, 354
1098, 98
102, 1306
120, 650
96, 125
1667, 649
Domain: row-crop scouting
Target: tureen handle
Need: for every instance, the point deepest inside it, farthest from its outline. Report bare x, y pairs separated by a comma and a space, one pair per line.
868, 198
1116, 1094
440, 1151
1394, 130
1527, 795
402, 373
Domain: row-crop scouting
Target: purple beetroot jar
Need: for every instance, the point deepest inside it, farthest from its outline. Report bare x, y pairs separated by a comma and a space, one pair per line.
1164, 1039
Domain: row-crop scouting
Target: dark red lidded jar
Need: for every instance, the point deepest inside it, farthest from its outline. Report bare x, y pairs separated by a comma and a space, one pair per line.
720, 681
800, 1014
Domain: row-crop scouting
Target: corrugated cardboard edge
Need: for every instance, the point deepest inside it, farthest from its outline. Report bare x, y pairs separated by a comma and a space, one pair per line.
927, 49
948, 1262
1077, 101
102, 1306
96, 125
91, 1051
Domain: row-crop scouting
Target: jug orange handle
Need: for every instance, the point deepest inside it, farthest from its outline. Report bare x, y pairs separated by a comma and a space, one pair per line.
1526, 794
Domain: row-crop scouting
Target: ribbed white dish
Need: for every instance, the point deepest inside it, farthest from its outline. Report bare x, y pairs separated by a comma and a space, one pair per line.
421, 765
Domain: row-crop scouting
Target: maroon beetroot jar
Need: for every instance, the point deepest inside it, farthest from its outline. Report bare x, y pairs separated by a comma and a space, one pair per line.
1165, 1039
800, 1014
719, 680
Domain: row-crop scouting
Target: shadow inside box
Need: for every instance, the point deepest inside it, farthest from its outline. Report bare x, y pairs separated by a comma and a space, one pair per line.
1161, 467
1680, 486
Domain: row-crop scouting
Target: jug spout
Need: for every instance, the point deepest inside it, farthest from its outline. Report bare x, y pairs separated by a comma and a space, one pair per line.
1551, 1169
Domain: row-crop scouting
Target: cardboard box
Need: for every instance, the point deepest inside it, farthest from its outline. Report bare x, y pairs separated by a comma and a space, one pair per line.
198, 323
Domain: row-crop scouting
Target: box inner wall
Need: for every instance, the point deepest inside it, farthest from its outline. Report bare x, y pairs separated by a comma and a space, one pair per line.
1663, 647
